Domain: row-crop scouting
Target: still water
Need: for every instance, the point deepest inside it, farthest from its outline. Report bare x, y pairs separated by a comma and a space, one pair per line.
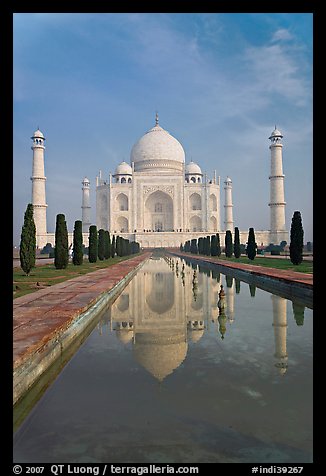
168, 377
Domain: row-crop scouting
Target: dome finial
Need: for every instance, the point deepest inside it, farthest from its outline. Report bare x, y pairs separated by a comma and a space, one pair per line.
156, 118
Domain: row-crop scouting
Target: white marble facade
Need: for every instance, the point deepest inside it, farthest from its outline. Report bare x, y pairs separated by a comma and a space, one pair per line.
158, 197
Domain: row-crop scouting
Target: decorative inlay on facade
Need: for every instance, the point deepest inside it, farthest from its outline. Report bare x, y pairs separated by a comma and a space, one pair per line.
160, 188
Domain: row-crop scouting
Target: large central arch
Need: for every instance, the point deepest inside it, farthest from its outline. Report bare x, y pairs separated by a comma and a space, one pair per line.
158, 212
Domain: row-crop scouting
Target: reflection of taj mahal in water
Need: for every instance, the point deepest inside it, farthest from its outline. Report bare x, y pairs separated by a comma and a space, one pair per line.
164, 308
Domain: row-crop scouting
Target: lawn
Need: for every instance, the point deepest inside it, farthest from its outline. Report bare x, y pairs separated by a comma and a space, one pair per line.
47, 275
278, 263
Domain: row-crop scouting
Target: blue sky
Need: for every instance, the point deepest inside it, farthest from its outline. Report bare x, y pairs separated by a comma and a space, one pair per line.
220, 82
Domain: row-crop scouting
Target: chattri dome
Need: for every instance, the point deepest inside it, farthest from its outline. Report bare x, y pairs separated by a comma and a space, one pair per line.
38, 133
193, 169
157, 150
276, 133
123, 169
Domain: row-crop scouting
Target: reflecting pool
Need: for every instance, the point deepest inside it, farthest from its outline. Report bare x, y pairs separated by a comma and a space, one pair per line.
175, 372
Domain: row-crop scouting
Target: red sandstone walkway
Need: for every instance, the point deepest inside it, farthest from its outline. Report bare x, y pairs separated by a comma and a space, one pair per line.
281, 274
39, 316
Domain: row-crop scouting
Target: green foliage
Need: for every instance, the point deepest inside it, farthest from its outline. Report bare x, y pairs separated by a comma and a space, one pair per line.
107, 245
181, 247
78, 256
187, 246
135, 247
201, 245
237, 249
27, 248
113, 247
61, 253
214, 245
118, 245
296, 239
193, 246
218, 245
251, 245
207, 245
47, 249
92, 244
228, 244
101, 244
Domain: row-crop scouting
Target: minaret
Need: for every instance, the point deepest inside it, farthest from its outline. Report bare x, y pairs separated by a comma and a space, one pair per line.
280, 325
38, 188
277, 203
86, 208
228, 206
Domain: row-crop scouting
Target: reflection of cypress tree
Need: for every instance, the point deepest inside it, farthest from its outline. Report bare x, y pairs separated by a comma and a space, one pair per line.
252, 288
229, 281
207, 272
298, 313
194, 291
218, 277
237, 285
194, 266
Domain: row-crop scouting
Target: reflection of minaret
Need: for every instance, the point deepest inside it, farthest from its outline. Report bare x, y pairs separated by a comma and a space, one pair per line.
230, 301
86, 208
228, 205
280, 325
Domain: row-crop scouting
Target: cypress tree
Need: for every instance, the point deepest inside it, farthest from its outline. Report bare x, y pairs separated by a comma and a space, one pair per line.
77, 257
101, 244
193, 246
228, 244
118, 246
181, 247
201, 245
237, 249
218, 245
93, 244
113, 247
296, 239
208, 246
214, 245
251, 245
27, 248
107, 245
61, 253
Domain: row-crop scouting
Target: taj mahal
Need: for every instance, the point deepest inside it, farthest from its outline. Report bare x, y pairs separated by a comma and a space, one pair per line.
158, 199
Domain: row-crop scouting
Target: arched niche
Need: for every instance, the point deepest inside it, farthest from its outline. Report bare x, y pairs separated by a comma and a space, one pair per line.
158, 212
195, 201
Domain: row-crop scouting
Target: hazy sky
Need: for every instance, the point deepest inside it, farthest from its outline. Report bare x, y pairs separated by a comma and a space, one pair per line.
220, 83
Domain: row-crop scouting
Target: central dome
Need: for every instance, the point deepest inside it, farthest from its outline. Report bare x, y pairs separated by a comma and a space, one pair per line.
156, 151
